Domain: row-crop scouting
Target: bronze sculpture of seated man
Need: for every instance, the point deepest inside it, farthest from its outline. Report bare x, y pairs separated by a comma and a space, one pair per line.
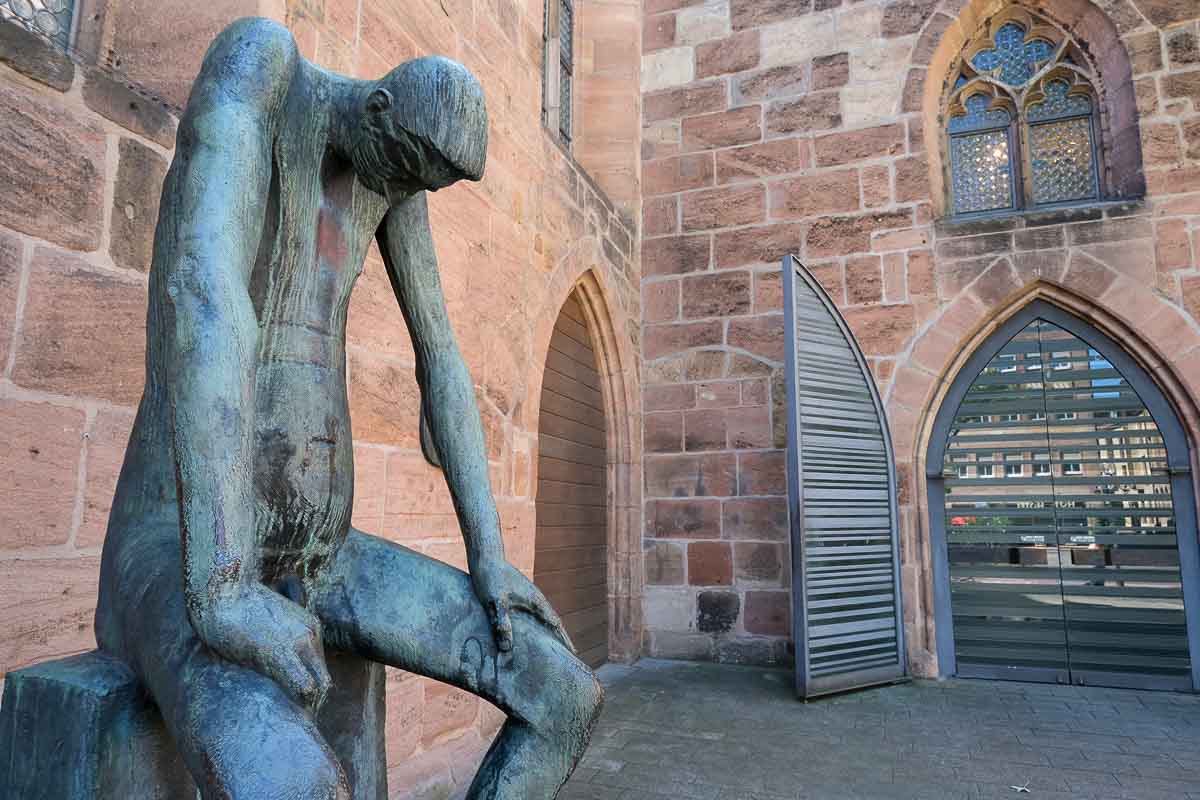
230, 561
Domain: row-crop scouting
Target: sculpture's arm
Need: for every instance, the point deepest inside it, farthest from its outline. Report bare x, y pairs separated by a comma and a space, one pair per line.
451, 416
214, 201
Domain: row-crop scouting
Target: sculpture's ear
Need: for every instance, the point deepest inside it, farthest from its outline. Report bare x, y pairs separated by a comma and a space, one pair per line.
379, 100
428, 449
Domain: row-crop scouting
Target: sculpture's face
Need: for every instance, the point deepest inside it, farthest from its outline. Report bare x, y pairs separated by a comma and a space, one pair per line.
397, 164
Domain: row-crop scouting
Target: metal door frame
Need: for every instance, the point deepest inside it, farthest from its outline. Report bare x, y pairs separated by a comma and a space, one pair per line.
1179, 464
806, 685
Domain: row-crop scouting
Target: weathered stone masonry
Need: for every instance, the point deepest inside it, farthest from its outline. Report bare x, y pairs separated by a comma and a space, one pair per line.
82, 158
814, 128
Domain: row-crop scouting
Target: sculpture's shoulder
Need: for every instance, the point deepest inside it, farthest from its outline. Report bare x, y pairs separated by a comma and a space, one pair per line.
250, 63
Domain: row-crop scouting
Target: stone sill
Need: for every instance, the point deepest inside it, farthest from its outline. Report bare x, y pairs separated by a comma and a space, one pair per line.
998, 222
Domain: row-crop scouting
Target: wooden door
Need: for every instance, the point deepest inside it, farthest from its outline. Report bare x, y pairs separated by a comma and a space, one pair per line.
570, 562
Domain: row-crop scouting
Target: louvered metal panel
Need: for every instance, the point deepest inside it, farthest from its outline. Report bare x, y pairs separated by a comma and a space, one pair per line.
847, 621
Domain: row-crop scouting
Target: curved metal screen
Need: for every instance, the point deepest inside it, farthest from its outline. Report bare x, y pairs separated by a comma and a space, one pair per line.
841, 478
1060, 523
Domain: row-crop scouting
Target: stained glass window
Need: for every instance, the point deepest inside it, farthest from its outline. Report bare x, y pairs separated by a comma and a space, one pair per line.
1059, 104
1061, 161
979, 115
1050, 155
1013, 60
50, 18
982, 171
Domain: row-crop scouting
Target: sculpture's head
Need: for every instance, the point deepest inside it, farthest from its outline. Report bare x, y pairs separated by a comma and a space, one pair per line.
425, 126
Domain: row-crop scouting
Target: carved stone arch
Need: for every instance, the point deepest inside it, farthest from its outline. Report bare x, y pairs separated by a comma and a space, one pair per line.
581, 273
1099, 44
1158, 356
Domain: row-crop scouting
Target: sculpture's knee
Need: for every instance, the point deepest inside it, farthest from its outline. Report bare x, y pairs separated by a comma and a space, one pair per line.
579, 702
306, 771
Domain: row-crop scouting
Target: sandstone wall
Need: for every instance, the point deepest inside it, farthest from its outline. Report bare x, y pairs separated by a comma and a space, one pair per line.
82, 157
775, 127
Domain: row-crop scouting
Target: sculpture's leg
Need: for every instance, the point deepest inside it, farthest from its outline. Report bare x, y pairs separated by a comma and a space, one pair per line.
396, 606
241, 737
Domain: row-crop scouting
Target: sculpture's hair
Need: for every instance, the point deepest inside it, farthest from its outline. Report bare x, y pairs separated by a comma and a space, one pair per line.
455, 123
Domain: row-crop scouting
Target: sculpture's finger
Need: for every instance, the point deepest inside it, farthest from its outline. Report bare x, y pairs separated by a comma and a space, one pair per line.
501, 626
537, 605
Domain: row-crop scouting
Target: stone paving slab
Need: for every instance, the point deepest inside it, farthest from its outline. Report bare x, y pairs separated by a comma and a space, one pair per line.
690, 731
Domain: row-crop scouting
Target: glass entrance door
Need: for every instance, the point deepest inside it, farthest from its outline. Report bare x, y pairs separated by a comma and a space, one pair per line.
1060, 525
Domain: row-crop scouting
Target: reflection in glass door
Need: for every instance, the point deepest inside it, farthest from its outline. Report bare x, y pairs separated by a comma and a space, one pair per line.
1060, 526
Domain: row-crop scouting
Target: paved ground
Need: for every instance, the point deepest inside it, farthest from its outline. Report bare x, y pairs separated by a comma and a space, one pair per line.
707, 732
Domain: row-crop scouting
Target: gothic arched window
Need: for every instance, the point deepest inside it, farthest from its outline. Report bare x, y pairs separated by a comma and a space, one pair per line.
1021, 128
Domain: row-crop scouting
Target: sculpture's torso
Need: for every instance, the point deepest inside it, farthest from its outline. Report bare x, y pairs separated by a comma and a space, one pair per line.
319, 223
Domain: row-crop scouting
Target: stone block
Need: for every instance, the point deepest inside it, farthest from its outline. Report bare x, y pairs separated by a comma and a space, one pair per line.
82, 728
767, 84
811, 195
864, 280
719, 394
748, 427
756, 519
882, 330
761, 473
722, 129
51, 167
664, 69
831, 71
724, 207
758, 562
760, 160
683, 519
710, 564
678, 174
843, 148
1183, 47
676, 397
661, 340
135, 205
905, 17
39, 466
876, 186
660, 301
83, 331
760, 335
691, 475
764, 244
660, 216
662, 433
106, 442
131, 109
818, 111
830, 237
676, 255
719, 295
799, 38
34, 57
384, 401
663, 564
700, 98
717, 612
704, 429
736, 53
768, 613
11, 258
658, 33
757, 13
1162, 13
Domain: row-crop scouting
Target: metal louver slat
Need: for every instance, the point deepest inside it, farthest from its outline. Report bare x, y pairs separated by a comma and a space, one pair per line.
847, 621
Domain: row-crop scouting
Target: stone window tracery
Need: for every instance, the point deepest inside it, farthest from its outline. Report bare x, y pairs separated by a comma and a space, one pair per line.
1021, 122
48, 18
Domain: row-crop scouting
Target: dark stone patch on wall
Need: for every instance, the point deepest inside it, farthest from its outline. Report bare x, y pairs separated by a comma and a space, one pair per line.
717, 612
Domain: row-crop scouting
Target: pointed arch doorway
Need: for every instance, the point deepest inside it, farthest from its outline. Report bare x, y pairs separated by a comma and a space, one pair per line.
1063, 514
571, 548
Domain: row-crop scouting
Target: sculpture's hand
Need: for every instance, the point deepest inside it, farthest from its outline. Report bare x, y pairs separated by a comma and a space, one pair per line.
258, 628
502, 588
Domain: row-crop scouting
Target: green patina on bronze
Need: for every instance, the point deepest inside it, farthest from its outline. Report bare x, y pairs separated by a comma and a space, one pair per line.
230, 563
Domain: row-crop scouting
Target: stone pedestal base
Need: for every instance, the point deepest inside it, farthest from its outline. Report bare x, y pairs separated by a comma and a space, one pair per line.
83, 729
